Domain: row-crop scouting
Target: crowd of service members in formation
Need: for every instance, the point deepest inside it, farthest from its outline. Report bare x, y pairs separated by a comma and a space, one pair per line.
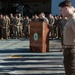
16, 26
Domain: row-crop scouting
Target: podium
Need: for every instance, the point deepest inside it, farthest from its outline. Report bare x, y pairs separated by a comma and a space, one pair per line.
39, 36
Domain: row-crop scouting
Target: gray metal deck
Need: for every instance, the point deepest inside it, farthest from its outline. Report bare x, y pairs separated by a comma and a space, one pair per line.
17, 59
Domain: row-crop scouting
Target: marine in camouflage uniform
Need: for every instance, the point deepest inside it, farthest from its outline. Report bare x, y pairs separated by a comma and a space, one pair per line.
11, 25
7, 26
1, 26
15, 27
26, 26
51, 24
20, 25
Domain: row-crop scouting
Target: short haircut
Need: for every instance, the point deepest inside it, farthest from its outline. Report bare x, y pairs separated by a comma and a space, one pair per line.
65, 3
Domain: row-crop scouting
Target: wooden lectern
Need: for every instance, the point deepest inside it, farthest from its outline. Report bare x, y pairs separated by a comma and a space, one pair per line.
39, 36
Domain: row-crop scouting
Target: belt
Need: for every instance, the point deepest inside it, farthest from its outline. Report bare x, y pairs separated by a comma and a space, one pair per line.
69, 46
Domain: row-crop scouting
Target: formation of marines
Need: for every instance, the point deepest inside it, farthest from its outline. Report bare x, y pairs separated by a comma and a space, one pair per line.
13, 26
16, 26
